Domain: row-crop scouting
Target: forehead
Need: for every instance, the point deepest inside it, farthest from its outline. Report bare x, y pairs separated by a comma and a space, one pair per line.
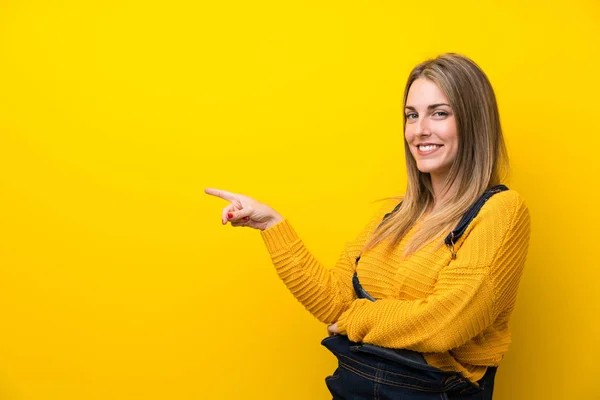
424, 92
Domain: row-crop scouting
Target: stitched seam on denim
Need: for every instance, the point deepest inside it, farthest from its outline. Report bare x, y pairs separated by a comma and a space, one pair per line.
408, 363
451, 386
375, 383
386, 371
385, 381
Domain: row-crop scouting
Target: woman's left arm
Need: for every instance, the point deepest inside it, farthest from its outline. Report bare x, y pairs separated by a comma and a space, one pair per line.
468, 296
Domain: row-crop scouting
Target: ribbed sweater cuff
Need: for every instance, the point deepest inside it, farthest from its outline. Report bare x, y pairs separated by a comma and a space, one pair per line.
280, 236
341, 324
343, 320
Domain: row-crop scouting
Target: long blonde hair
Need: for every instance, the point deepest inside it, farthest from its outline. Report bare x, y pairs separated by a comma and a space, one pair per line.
481, 160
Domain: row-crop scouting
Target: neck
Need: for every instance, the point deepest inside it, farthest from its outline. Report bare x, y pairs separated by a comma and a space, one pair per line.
440, 192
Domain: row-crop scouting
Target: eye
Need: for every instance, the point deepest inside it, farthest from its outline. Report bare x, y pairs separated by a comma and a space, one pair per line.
440, 114
411, 115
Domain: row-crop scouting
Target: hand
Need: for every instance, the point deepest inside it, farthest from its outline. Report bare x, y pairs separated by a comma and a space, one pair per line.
244, 211
332, 330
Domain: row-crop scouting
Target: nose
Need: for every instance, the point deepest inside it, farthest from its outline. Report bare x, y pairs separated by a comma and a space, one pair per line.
422, 128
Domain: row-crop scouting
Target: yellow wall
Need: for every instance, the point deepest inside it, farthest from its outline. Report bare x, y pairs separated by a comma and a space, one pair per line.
117, 280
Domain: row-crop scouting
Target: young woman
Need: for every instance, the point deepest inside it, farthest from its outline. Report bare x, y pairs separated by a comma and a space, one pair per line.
418, 305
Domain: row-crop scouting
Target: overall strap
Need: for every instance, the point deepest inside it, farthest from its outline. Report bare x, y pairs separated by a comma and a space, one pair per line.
386, 216
471, 213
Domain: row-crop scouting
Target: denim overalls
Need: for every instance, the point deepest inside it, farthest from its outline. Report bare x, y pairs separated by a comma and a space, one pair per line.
369, 372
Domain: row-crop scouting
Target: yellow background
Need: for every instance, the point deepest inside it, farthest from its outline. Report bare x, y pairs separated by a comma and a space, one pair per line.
117, 280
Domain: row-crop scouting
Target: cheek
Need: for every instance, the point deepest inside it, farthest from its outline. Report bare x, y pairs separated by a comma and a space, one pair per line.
447, 132
451, 140
409, 137
409, 133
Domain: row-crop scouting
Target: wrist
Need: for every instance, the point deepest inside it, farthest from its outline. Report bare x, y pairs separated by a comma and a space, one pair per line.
273, 220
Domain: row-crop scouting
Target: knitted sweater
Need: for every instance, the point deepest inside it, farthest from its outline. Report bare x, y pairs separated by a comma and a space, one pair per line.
455, 312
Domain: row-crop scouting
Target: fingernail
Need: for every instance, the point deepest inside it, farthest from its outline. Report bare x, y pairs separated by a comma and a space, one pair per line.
246, 218
229, 215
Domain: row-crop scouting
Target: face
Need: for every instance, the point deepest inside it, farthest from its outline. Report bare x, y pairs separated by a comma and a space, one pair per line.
430, 129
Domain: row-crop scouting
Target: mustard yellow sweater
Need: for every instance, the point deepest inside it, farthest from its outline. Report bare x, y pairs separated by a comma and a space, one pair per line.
455, 312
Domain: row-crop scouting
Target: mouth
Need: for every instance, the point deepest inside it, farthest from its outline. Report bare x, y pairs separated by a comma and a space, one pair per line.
427, 148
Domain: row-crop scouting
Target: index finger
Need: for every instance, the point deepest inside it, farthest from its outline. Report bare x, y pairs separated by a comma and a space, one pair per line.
225, 195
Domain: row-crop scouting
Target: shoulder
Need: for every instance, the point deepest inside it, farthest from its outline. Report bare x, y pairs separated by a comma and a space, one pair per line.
503, 205
502, 213
500, 230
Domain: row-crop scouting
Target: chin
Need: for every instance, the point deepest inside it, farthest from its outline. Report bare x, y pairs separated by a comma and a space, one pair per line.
426, 169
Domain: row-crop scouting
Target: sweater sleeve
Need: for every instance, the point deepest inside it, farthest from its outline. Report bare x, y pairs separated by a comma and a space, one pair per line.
324, 292
468, 296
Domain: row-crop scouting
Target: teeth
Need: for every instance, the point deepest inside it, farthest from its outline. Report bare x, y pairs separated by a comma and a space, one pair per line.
428, 147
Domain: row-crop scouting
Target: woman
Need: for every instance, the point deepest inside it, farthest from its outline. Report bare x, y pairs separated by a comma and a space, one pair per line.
442, 295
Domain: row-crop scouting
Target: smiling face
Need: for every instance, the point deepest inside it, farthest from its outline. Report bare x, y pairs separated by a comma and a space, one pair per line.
430, 129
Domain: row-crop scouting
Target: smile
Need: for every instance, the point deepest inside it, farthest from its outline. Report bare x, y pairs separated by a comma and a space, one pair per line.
425, 149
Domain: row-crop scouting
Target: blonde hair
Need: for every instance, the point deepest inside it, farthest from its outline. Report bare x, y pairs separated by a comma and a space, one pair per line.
481, 160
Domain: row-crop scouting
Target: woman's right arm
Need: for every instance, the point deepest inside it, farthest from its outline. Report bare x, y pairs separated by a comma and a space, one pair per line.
325, 293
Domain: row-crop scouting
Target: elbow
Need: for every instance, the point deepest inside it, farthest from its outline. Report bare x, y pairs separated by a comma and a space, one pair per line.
329, 314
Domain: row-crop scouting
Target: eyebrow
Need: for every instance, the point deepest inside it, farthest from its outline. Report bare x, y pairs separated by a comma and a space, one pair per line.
429, 107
